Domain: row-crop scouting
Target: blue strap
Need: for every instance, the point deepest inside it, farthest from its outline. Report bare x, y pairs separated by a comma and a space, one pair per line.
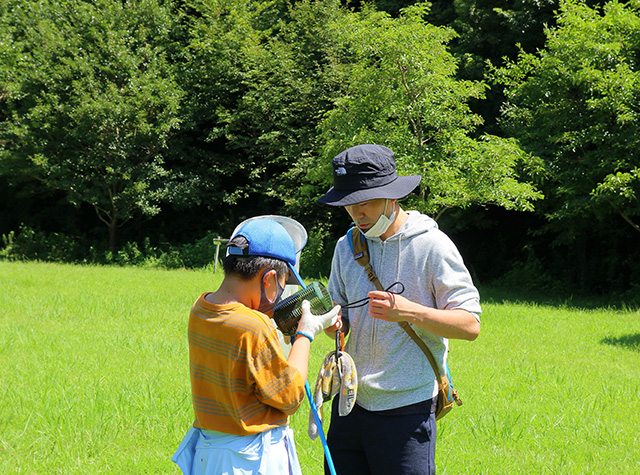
350, 238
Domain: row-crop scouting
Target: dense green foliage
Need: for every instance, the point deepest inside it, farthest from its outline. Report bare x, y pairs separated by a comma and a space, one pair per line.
167, 122
575, 105
91, 102
399, 88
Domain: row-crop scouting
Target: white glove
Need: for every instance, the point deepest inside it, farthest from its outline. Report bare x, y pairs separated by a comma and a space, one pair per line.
310, 325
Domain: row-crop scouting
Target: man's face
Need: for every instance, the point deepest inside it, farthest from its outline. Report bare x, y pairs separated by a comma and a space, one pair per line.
366, 214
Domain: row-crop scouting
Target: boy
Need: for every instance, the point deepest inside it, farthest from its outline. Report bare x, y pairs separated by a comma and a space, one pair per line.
242, 386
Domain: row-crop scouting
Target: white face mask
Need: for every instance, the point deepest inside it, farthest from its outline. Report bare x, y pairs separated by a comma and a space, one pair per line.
382, 224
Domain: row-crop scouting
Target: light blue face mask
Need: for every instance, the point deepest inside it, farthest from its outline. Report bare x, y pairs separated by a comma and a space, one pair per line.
382, 224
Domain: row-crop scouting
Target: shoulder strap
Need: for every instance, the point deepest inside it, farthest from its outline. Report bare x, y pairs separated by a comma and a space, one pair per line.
423, 346
361, 255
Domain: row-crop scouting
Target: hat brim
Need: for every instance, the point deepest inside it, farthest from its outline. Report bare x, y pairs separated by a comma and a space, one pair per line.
395, 190
294, 277
296, 230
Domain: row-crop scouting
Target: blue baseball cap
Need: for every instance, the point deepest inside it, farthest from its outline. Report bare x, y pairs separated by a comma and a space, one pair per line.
268, 238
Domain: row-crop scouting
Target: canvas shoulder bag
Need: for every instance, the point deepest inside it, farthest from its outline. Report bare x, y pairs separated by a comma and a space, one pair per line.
447, 395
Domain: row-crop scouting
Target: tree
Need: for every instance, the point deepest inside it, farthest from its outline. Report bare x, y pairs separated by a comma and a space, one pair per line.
212, 39
399, 89
274, 75
90, 102
494, 29
575, 104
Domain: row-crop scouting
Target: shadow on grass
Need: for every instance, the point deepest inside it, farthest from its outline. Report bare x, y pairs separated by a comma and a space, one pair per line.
629, 342
494, 294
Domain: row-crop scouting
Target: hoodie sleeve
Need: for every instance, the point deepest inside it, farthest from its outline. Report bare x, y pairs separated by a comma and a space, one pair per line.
451, 281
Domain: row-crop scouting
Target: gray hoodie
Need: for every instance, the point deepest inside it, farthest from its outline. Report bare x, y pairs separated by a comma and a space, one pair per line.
392, 370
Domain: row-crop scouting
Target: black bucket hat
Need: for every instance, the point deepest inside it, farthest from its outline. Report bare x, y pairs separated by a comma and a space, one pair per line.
366, 172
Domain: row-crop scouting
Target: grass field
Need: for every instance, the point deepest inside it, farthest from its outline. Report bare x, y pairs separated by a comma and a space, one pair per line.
93, 379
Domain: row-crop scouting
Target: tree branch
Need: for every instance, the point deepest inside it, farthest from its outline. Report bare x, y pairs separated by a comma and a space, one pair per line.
628, 220
441, 212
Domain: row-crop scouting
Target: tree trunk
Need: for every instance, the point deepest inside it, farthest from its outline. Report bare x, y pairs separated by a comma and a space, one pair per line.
113, 226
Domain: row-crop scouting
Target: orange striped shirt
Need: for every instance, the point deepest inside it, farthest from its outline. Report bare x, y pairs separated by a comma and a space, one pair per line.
241, 383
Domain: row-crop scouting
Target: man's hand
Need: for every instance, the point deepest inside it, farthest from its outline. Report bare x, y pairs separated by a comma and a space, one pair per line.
388, 306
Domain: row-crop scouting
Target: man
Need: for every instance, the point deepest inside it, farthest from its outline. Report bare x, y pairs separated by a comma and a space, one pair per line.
392, 428
243, 389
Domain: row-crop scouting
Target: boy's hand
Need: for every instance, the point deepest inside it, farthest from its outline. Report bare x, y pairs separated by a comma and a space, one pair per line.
310, 325
341, 324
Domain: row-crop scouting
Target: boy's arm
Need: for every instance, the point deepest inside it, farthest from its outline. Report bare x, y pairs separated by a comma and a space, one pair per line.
299, 355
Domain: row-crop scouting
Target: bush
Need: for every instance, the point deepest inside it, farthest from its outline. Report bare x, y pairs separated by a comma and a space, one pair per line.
315, 260
28, 244
529, 274
200, 254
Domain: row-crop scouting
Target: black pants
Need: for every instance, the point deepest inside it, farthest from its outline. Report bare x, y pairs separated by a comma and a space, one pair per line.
396, 442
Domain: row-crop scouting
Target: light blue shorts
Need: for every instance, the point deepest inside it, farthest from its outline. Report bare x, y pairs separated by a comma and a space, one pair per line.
205, 452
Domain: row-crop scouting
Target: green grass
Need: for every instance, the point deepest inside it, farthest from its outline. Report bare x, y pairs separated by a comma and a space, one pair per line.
547, 389
93, 379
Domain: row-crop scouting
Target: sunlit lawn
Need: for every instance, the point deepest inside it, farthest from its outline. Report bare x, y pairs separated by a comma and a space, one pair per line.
93, 365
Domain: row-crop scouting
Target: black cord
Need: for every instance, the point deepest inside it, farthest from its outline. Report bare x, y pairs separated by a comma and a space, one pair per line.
364, 301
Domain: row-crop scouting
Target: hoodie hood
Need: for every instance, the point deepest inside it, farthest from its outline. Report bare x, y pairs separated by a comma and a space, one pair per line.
416, 223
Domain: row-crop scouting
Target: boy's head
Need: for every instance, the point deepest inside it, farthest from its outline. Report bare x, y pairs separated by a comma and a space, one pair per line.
261, 244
